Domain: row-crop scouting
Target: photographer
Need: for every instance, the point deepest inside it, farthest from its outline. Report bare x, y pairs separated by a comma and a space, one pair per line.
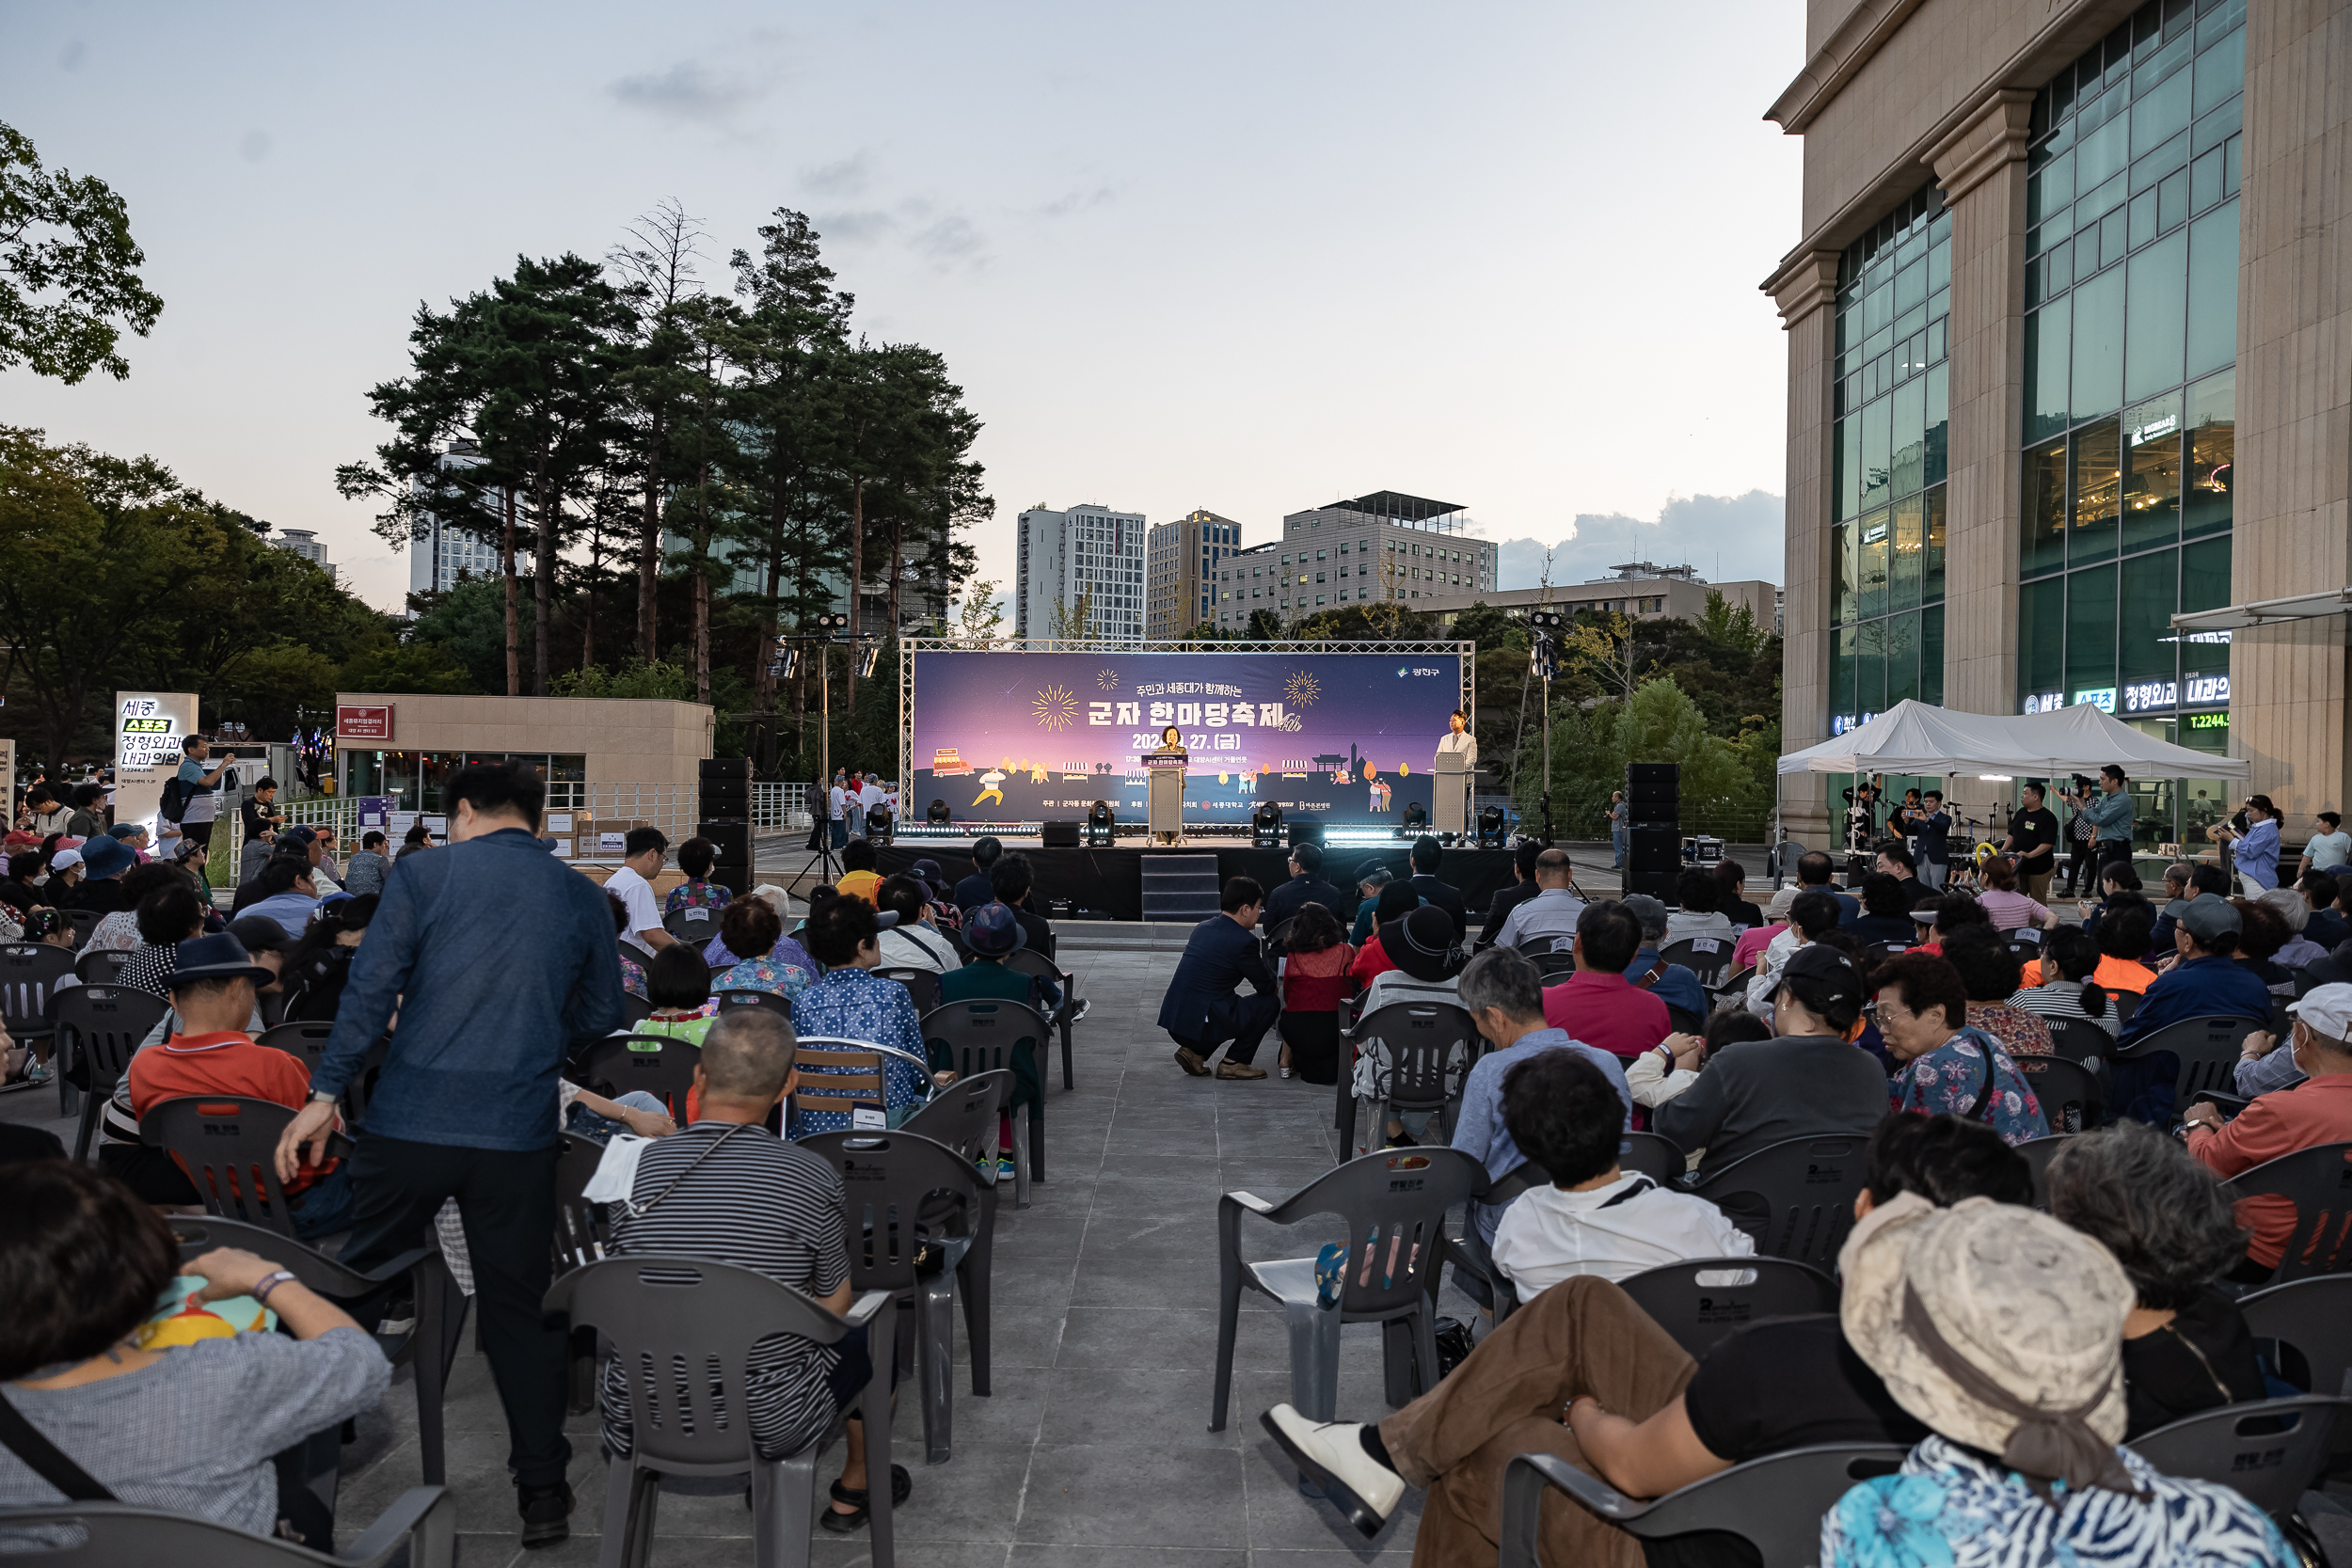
2254, 848
2108, 814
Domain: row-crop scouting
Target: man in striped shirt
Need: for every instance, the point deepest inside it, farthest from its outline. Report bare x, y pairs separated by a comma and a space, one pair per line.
728, 1190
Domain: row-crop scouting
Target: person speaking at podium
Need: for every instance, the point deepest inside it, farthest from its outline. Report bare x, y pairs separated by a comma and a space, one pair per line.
1171, 739
1456, 762
1459, 741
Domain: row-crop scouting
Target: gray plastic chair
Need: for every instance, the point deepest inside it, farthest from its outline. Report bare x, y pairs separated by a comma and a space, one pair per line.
1735, 1291
984, 1037
2313, 1317
1393, 1206
2270, 1451
2207, 1049
1654, 1154
892, 1184
2318, 1180
1795, 1197
2079, 1041
2070, 1096
963, 1116
665, 1314
98, 1030
104, 966
1425, 1039
30, 972
421, 1525
921, 984
695, 926
1029, 961
228, 1145
635, 1009
2037, 1153
84, 924
730, 1001
1554, 968
1774, 1503
653, 1064
1709, 958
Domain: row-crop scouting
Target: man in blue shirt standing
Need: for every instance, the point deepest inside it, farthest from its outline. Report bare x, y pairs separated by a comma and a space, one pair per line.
465, 1105
2256, 855
1204, 1007
2110, 813
2205, 983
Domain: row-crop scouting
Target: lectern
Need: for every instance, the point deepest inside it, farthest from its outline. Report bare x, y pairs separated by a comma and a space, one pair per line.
1163, 819
1449, 804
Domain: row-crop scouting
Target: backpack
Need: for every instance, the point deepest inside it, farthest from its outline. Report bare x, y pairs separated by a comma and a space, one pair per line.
173, 804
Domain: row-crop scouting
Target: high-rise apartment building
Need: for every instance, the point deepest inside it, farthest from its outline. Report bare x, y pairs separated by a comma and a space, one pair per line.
440, 553
1181, 558
305, 543
1384, 545
2062, 264
1089, 553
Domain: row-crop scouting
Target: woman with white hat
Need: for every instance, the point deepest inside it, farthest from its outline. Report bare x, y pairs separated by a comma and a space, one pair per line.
2002, 1331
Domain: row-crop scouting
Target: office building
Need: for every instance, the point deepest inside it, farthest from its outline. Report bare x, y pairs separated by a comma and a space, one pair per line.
1638, 590
1089, 553
441, 554
305, 543
1181, 561
1382, 545
2061, 262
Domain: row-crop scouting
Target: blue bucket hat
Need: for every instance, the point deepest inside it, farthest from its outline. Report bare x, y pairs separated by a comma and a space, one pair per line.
105, 856
992, 930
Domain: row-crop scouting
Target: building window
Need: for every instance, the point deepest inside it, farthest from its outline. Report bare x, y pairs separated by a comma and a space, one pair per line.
2131, 385
1888, 480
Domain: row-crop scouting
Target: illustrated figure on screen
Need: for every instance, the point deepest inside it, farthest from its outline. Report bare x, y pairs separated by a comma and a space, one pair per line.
992, 786
1380, 795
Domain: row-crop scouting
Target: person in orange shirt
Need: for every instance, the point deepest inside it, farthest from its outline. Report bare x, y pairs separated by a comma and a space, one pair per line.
213, 987
859, 880
2124, 936
2317, 1111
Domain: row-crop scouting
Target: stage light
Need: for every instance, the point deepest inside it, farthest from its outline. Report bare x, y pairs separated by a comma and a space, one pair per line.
1101, 826
870, 657
937, 813
1490, 830
1266, 827
786, 661
1416, 821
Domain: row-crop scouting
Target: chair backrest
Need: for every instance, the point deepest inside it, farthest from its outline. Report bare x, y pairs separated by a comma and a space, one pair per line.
1795, 1197
697, 925
1028, 961
1554, 968
2312, 1317
2126, 1004
102, 966
104, 1025
1393, 1203
1653, 1154
1700, 1300
83, 922
964, 1115
886, 1180
1425, 1041
730, 1001
2208, 1050
2037, 1153
1709, 958
657, 1064
579, 1230
2268, 1451
106, 1534
921, 984
981, 1037
2071, 1097
1774, 1503
307, 1041
634, 1008
2318, 1182
683, 1330
227, 1144
30, 972
2077, 1039
837, 1076
1890, 949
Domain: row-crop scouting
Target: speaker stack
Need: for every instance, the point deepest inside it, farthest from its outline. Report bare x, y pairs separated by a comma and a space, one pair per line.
725, 820
1653, 791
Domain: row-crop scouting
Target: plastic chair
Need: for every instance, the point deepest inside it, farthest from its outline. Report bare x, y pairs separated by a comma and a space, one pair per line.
1774, 1503
307, 1041
30, 972
983, 1037
99, 1029
964, 1116
697, 926
2208, 1051
685, 1329
1554, 968
1795, 1197
921, 984
891, 1183
1026, 962
1698, 1311
731, 1001
2078, 1040
2313, 1317
579, 1228
228, 1145
2070, 1096
656, 1064
441, 1307
103, 967
1392, 1205
635, 1009
421, 1527
1653, 1154
2037, 1153
1423, 1039
2126, 1004
2318, 1182
82, 923
1709, 958
2270, 1451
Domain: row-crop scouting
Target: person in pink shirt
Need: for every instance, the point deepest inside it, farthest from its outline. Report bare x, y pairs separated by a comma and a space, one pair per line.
1598, 1005
2008, 908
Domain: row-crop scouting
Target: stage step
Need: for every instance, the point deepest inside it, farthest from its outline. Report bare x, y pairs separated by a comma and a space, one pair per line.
1179, 887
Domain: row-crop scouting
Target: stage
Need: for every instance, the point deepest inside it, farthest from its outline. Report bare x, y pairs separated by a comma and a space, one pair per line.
1109, 882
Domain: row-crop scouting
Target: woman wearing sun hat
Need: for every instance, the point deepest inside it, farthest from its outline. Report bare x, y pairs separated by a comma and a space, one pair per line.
2002, 1331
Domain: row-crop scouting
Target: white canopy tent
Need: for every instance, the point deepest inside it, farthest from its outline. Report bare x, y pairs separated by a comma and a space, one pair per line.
1914, 737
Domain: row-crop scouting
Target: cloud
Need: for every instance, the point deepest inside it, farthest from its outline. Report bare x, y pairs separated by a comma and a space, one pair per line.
254, 147
1728, 538
1079, 201
949, 240
864, 224
845, 176
688, 92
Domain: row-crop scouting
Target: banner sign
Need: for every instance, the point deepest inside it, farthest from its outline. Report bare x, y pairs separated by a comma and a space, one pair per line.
149, 727
363, 722
1004, 736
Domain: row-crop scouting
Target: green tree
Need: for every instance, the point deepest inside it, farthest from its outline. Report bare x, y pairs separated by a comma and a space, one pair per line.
663, 372
1490, 629
1265, 627
68, 270
420, 667
468, 622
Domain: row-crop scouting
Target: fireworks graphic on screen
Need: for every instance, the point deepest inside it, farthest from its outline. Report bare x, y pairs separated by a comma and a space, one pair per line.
1302, 689
1056, 707
1106, 679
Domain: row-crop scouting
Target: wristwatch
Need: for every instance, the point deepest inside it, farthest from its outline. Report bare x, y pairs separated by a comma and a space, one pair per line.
320, 1097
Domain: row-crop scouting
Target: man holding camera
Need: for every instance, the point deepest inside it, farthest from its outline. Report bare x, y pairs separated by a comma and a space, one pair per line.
2110, 813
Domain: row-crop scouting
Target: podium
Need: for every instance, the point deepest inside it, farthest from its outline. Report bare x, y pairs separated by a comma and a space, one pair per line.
1164, 816
1449, 801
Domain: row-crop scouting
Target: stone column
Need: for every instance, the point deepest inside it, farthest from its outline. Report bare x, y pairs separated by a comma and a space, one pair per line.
1805, 290
2293, 530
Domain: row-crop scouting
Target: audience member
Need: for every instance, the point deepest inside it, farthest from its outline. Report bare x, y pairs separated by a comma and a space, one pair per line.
167, 917
417, 838
993, 932
1315, 960
1500, 905
642, 854
119, 932
1369, 882
2162, 1217
1306, 886
1731, 880
2326, 850
1945, 1065
858, 877
1885, 912
320, 965
914, 941
1812, 914
1547, 921
285, 894
851, 1001
1397, 900
2005, 906
189, 1430
725, 1191
2262, 936
1816, 870
2002, 1331
2066, 990
1896, 861
678, 983
88, 818
1676, 985
1806, 1080
695, 856
1672, 1065
2326, 925
1426, 855
368, 868
1013, 880
1697, 890
1428, 964
2317, 1111
761, 957
1990, 974
99, 887
632, 968
487, 1005
2201, 879
1203, 1008
976, 889
2203, 983
1598, 1005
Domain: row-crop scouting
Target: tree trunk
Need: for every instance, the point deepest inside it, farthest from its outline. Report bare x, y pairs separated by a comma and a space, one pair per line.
649, 554
513, 629
588, 620
702, 594
857, 601
542, 591
897, 549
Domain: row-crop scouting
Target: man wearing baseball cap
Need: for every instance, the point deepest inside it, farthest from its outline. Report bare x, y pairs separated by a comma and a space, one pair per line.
2315, 1111
2203, 983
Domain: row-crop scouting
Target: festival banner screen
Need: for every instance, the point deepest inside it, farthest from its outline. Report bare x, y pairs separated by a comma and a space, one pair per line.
1006, 737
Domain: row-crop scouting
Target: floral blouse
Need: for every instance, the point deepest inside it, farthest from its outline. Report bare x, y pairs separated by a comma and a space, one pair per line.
633, 975
855, 1004
2015, 1030
696, 894
784, 978
1952, 1076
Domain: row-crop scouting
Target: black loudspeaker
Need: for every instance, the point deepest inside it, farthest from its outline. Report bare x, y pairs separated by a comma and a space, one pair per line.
732, 874
726, 797
729, 841
1656, 884
1059, 835
725, 767
1654, 849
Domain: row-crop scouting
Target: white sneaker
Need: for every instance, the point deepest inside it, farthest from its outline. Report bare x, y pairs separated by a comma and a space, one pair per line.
1332, 1454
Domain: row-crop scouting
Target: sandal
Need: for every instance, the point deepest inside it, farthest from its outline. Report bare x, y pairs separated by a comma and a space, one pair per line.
902, 1487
